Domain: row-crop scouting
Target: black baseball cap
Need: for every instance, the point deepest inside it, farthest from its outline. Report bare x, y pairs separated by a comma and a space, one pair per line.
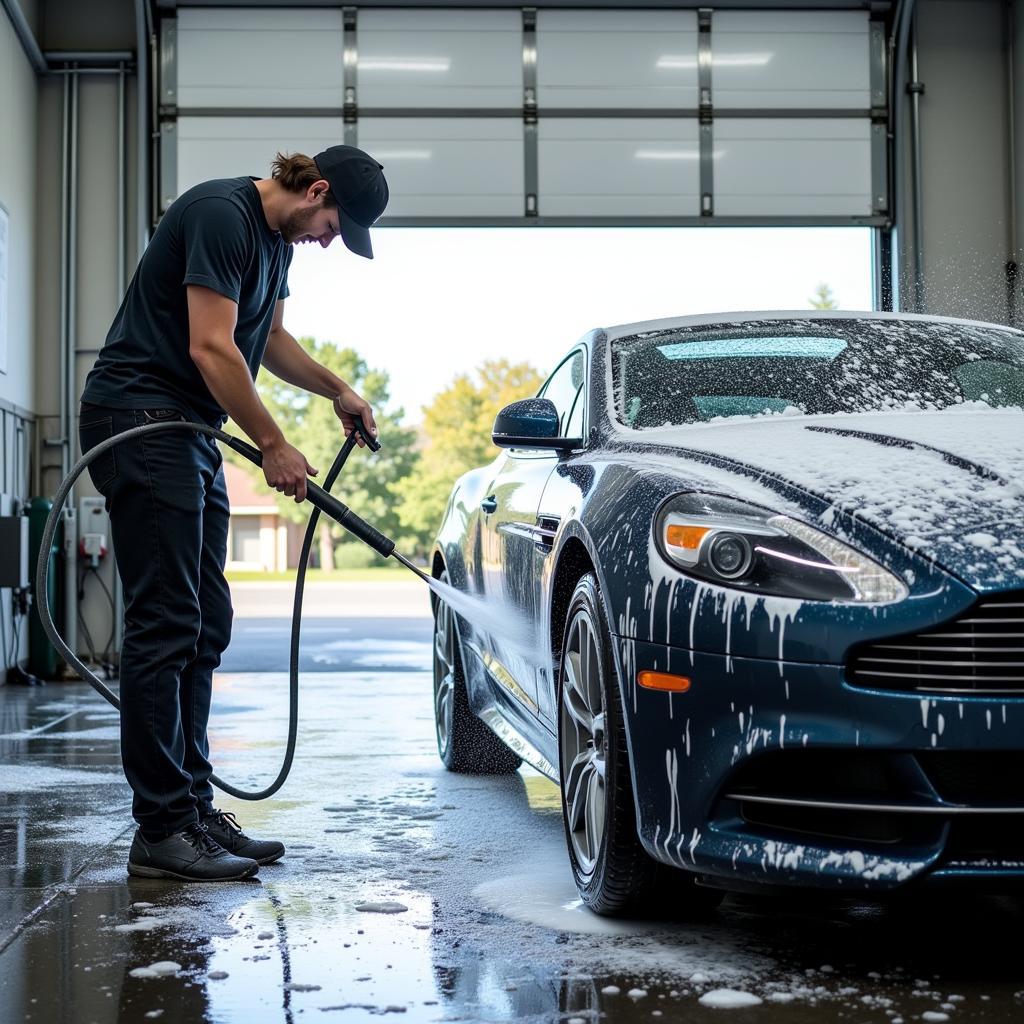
358, 187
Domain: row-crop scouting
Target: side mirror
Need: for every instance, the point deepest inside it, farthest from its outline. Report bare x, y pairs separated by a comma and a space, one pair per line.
531, 423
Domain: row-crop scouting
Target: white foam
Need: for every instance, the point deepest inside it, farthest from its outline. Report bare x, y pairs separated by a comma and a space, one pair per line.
161, 969
384, 907
729, 999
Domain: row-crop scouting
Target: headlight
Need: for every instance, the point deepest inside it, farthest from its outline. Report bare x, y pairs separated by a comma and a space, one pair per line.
734, 544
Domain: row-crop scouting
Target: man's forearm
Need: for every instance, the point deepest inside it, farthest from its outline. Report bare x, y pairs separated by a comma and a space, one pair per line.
284, 357
227, 376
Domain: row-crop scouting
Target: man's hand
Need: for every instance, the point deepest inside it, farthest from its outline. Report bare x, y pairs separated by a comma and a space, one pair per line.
286, 468
347, 405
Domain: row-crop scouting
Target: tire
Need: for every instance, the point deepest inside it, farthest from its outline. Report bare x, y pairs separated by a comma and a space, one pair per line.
464, 743
615, 876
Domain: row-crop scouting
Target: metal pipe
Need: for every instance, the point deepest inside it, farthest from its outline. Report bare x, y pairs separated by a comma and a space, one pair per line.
70, 519
65, 461
1011, 151
26, 37
122, 186
154, 57
76, 72
142, 142
88, 57
901, 33
72, 329
122, 229
915, 89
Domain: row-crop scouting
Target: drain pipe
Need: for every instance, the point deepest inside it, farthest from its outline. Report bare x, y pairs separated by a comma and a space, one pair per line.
900, 32
122, 219
1011, 152
142, 142
916, 89
70, 376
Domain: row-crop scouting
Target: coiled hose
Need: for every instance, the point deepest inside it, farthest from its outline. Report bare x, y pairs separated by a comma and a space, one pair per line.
316, 495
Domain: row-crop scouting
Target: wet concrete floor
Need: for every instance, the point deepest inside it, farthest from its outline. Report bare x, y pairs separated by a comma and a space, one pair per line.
408, 891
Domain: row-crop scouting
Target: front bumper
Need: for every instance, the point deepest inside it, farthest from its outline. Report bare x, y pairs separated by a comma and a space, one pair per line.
782, 774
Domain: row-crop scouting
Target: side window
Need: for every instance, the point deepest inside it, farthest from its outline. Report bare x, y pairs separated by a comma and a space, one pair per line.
574, 428
562, 388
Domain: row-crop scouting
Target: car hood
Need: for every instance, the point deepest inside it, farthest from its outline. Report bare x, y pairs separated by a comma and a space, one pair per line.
947, 484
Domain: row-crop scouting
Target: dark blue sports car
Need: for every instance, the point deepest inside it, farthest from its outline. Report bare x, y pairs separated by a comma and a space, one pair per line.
753, 595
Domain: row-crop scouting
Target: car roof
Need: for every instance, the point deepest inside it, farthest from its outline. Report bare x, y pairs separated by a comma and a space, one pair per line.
709, 319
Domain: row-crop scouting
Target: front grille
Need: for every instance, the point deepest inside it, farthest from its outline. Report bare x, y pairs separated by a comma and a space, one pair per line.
980, 652
828, 777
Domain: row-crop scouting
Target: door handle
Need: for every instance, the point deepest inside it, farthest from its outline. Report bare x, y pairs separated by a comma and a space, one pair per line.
489, 504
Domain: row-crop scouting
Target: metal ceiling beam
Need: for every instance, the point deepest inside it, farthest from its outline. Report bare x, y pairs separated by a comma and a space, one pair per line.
767, 5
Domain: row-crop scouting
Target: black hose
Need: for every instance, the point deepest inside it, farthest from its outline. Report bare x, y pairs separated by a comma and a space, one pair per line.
318, 496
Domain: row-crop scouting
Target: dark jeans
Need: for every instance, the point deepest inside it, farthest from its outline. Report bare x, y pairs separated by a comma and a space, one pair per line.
168, 508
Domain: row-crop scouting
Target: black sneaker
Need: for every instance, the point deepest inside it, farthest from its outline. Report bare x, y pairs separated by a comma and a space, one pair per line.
225, 829
191, 855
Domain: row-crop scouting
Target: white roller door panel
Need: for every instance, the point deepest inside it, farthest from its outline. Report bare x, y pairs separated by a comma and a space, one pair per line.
415, 59
605, 167
795, 167
457, 167
225, 147
616, 59
778, 59
259, 58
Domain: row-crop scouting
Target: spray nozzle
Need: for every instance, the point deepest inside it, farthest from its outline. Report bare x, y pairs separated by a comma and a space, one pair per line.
371, 442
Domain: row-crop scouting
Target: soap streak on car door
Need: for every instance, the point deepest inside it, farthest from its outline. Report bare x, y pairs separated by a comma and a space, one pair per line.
515, 544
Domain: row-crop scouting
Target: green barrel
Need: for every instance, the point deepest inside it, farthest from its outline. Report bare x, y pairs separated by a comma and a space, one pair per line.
42, 657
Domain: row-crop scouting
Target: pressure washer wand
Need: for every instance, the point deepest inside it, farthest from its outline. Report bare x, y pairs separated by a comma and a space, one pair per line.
331, 506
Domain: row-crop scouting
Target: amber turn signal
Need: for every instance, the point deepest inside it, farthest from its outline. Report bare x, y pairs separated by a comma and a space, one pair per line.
663, 681
687, 537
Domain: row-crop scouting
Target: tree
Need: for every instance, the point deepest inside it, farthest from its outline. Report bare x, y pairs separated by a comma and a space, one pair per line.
823, 298
457, 429
309, 423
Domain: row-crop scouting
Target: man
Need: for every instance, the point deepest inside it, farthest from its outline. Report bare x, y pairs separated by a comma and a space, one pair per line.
202, 313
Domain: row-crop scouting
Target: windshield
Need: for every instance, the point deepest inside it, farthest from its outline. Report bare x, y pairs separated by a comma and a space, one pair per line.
667, 378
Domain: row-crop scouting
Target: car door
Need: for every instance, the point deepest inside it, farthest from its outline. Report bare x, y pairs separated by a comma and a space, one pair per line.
515, 540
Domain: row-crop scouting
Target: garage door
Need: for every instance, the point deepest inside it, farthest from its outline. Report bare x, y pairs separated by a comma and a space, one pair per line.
544, 116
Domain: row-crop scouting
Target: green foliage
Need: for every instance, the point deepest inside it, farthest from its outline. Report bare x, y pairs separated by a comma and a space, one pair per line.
457, 427
356, 555
823, 298
309, 423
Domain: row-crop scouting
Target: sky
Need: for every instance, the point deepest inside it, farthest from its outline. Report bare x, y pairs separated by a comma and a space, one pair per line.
436, 302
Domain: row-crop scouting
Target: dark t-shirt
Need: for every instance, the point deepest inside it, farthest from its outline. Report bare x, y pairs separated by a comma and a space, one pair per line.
214, 235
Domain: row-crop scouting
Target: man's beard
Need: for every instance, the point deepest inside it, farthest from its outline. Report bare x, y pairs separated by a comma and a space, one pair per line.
295, 226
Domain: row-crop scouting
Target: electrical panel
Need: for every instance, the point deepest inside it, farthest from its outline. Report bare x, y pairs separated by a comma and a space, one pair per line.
14, 567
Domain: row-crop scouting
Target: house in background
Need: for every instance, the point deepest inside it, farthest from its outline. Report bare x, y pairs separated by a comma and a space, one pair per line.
259, 538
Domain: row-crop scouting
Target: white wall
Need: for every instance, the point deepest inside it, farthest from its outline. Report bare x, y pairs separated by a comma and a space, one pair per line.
18, 96
18, 104
965, 159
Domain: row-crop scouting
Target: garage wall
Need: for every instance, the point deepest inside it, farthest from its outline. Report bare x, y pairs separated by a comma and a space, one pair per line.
966, 159
31, 110
18, 105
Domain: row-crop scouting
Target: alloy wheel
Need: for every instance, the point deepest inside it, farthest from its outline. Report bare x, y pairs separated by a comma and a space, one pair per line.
584, 746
